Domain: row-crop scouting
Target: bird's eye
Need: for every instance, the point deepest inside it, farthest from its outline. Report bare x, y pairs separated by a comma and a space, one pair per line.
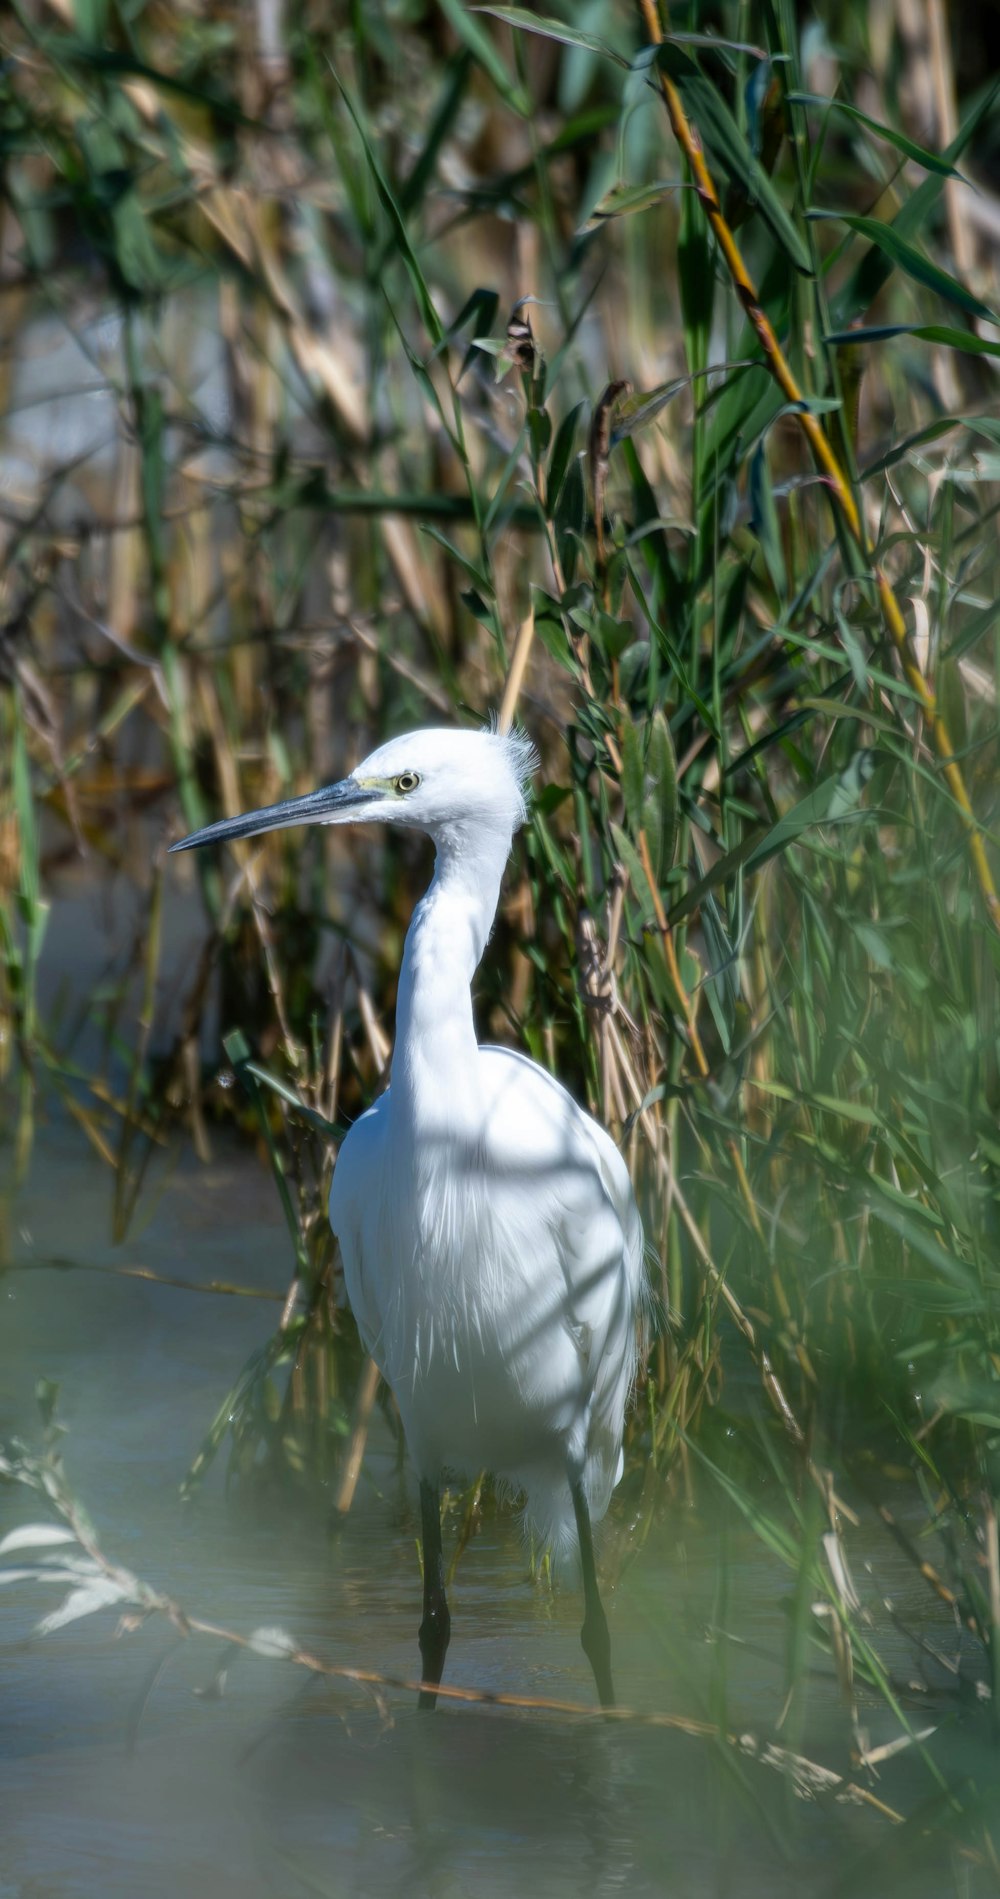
407, 781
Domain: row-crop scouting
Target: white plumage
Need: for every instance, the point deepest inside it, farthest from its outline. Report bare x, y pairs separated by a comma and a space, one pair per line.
497, 1291
491, 1242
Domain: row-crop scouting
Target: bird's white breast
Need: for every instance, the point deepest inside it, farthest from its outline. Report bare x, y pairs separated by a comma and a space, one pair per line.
483, 1258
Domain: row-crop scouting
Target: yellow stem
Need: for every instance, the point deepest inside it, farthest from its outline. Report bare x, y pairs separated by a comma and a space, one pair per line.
516, 670
780, 368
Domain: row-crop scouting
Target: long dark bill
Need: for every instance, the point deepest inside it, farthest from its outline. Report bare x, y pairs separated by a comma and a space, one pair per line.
317, 807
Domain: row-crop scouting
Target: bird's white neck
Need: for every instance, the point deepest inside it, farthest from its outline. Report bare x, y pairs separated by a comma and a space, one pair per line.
434, 1064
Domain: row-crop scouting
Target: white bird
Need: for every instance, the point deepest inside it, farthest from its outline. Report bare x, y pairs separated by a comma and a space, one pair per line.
492, 1247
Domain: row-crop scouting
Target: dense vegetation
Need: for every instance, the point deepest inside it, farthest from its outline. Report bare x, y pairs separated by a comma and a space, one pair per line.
420, 361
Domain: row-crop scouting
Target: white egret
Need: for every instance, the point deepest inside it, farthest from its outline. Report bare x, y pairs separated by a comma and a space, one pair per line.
491, 1242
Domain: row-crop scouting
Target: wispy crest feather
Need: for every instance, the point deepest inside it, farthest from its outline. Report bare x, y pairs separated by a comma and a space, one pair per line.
521, 755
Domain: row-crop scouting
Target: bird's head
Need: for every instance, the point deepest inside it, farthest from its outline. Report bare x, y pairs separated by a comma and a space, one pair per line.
439, 781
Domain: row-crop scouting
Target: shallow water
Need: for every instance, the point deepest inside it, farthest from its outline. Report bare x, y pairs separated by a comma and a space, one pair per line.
288, 1786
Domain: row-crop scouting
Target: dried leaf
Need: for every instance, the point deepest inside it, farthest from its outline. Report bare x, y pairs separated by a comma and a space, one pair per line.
273, 1641
80, 1602
35, 1536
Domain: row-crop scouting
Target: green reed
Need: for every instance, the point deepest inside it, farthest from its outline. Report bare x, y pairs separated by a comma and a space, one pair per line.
746, 921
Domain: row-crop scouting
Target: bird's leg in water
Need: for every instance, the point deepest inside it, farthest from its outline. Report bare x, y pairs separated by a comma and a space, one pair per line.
435, 1628
594, 1634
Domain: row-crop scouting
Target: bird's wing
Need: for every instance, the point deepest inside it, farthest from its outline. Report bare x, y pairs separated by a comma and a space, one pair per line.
356, 1185
576, 1132
573, 1170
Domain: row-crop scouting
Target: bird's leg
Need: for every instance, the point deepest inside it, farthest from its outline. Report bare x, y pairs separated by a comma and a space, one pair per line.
594, 1634
435, 1628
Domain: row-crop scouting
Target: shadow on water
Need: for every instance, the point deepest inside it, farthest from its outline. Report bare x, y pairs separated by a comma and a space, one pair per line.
286, 1785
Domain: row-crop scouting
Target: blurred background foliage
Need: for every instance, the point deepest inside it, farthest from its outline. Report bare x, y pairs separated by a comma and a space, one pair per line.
366, 367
